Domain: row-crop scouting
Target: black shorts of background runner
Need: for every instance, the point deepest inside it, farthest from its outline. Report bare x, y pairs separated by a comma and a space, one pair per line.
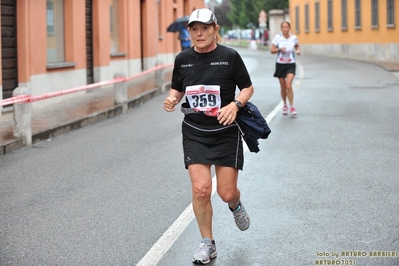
283, 69
213, 145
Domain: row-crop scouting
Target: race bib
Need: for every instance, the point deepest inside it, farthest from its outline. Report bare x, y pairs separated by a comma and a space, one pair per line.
285, 57
204, 98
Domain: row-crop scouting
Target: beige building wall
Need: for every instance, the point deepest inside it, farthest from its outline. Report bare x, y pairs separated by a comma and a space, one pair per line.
366, 42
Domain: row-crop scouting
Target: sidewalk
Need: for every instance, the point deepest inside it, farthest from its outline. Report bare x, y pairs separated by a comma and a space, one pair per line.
88, 108
390, 66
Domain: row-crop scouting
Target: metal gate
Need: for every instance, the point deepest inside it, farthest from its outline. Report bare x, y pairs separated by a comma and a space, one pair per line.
89, 42
9, 62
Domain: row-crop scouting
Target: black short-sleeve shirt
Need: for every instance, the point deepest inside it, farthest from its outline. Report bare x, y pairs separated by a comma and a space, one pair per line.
222, 66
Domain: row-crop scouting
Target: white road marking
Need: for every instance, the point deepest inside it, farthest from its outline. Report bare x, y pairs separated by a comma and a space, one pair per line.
159, 249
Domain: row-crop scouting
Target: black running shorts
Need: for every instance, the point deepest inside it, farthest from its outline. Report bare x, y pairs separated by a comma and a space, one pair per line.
283, 69
213, 145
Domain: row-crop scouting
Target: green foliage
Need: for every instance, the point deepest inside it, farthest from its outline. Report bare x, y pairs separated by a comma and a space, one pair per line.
244, 12
221, 12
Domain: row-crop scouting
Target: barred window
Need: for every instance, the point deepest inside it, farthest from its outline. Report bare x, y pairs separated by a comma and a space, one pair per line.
330, 15
344, 15
306, 18
114, 34
297, 19
55, 31
358, 18
317, 18
390, 13
374, 13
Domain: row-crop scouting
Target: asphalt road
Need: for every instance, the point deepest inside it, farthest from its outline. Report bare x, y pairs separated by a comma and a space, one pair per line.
323, 187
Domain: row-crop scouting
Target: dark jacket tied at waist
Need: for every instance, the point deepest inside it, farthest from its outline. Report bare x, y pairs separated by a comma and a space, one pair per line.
253, 126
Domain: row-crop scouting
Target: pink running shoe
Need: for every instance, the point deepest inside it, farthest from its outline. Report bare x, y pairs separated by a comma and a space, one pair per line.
293, 111
285, 110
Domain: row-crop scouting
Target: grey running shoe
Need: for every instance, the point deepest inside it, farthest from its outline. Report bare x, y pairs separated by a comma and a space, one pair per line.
241, 217
205, 252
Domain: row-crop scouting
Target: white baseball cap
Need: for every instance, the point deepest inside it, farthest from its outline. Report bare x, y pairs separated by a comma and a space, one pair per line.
203, 15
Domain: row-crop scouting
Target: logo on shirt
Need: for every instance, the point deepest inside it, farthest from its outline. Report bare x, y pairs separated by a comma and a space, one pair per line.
219, 63
186, 65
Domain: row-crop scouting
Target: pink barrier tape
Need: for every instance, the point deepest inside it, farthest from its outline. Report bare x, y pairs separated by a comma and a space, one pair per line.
15, 99
148, 71
29, 98
68, 91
